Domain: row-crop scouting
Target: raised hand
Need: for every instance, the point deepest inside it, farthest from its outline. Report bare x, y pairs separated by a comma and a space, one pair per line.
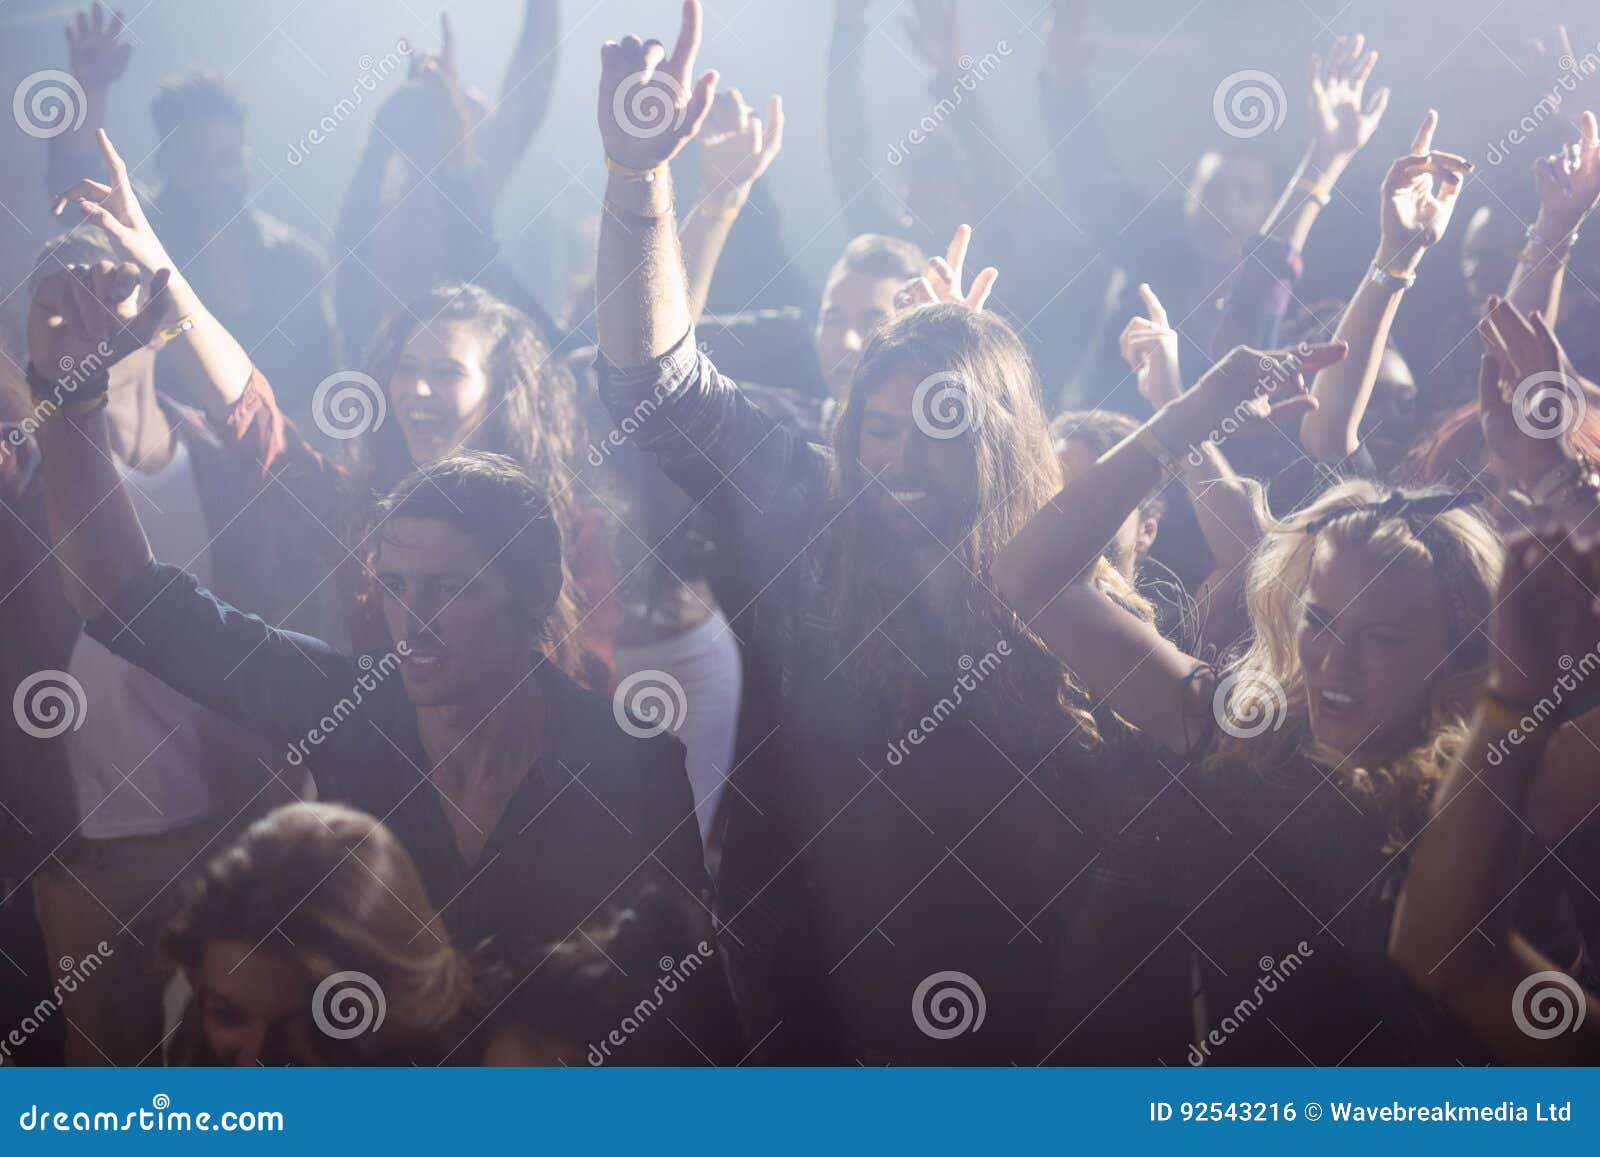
1250, 385
1150, 347
650, 105
1569, 87
931, 28
97, 52
1068, 49
1568, 183
736, 146
1342, 121
1415, 214
1545, 606
80, 312
1529, 393
941, 282
115, 208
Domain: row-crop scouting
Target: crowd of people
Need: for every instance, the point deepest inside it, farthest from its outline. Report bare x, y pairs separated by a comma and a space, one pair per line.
1158, 670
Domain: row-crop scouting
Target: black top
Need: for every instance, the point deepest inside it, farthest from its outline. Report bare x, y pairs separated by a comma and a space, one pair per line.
868, 848
1291, 881
597, 809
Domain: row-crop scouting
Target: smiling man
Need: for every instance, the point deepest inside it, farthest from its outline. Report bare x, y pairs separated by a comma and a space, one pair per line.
845, 884
524, 802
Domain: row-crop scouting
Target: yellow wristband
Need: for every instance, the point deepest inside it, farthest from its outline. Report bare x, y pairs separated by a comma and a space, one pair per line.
1321, 194
178, 328
1498, 715
640, 176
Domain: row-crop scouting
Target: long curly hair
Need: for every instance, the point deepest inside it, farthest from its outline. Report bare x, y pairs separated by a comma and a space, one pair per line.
978, 357
1267, 680
533, 419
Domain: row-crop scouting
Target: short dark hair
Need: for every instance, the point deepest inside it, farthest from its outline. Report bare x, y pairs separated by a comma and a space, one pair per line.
880, 255
491, 498
183, 100
1100, 430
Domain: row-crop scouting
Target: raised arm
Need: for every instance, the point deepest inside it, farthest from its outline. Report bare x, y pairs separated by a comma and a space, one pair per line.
650, 106
97, 56
81, 322
1568, 185
524, 101
736, 147
847, 130
1413, 216
1454, 929
204, 352
1225, 504
1343, 121
1044, 573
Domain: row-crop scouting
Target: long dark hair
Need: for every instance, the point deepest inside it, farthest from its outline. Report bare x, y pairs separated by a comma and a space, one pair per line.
533, 419
1017, 472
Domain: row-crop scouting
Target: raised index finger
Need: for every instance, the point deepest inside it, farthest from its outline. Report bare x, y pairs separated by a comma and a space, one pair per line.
1153, 306
681, 63
1423, 141
956, 255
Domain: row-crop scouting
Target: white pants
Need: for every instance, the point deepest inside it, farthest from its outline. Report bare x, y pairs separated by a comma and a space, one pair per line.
705, 661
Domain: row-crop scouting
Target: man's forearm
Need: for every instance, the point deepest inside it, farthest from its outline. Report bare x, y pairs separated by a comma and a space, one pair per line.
642, 294
99, 543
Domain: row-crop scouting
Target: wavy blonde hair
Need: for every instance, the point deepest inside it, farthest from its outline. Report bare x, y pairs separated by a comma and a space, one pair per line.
1465, 554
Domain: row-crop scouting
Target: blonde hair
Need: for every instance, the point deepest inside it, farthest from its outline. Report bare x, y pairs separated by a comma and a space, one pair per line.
1464, 553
